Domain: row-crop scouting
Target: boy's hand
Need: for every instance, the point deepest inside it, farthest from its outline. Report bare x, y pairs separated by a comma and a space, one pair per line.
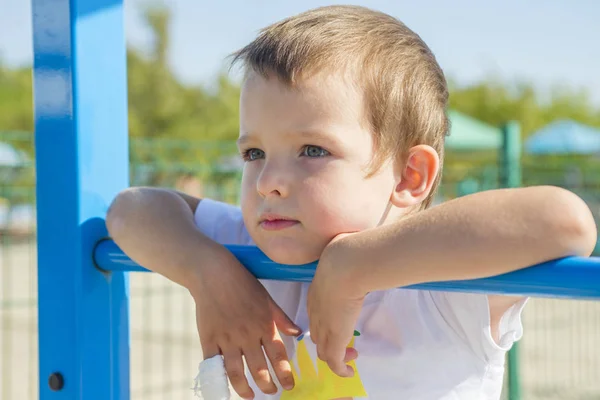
236, 317
333, 307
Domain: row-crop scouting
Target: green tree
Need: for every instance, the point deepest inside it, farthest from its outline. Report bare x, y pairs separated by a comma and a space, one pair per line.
496, 102
16, 107
179, 127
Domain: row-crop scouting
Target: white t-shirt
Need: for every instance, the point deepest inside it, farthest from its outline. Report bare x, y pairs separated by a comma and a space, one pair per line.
412, 344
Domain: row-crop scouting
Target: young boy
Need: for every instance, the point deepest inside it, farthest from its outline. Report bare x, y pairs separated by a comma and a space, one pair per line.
342, 126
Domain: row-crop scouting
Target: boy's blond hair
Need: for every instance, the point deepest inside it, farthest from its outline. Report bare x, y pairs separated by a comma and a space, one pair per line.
404, 87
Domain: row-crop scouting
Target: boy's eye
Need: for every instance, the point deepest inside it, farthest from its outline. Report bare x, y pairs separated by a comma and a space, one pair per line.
314, 151
253, 154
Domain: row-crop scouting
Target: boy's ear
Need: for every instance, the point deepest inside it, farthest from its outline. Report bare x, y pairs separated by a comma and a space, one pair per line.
415, 177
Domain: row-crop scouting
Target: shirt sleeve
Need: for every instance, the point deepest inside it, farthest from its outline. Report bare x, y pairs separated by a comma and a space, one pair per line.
222, 223
467, 315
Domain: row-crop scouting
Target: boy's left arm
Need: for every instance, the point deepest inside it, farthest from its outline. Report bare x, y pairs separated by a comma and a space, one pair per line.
476, 236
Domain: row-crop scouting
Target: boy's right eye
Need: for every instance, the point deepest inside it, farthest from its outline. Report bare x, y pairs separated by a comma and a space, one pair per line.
253, 154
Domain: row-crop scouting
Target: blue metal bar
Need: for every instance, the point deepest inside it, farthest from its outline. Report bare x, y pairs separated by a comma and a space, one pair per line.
81, 164
571, 277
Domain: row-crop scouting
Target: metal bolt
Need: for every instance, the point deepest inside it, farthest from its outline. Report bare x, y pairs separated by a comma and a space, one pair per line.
56, 381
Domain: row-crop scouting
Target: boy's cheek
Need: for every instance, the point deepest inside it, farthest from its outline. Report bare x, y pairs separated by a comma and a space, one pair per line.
342, 218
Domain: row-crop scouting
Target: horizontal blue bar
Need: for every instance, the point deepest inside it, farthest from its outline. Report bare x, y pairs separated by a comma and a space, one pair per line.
571, 277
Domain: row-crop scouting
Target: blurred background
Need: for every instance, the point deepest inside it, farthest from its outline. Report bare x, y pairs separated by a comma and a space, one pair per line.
534, 63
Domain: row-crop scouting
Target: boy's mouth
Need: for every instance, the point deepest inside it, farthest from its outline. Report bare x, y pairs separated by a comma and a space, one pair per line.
275, 222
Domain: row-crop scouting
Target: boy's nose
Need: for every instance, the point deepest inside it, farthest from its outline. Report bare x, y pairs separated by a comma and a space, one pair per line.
274, 180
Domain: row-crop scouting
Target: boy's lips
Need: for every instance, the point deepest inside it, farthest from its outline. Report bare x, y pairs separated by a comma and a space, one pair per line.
276, 222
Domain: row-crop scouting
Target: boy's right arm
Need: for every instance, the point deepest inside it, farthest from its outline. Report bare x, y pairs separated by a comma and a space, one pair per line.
235, 314
152, 226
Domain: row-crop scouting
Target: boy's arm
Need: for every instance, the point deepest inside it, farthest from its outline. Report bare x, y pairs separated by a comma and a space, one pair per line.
480, 235
235, 314
476, 236
141, 219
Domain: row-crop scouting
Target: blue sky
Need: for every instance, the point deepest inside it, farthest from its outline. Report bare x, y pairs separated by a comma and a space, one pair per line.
547, 42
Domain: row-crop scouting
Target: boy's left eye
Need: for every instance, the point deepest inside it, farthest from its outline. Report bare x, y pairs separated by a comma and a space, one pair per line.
314, 151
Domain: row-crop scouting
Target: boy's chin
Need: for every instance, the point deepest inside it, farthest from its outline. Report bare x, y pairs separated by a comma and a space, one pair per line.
289, 255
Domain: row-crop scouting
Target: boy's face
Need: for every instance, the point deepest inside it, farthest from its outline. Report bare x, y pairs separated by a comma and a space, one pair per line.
307, 150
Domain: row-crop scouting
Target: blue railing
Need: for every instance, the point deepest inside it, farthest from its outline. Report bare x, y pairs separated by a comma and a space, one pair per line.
571, 277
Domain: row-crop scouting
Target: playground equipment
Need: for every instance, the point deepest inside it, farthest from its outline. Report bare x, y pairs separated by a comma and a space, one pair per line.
80, 88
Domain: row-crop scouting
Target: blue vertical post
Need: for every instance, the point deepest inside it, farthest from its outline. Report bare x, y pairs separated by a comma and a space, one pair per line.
80, 96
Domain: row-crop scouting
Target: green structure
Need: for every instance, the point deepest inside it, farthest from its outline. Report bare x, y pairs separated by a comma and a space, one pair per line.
511, 177
468, 134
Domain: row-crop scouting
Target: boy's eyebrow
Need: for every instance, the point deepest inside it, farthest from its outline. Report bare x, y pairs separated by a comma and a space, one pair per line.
307, 134
318, 135
243, 139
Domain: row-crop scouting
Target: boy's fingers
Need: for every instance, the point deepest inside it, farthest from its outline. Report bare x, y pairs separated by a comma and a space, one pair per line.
259, 369
351, 354
283, 322
275, 350
340, 368
235, 372
334, 356
209, 350
314, 330
347, 370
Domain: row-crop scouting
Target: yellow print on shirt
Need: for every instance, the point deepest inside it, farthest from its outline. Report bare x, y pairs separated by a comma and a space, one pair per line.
321, 383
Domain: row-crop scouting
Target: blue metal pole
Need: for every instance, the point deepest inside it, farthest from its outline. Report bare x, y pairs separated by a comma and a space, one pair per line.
570, 277
81, 164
